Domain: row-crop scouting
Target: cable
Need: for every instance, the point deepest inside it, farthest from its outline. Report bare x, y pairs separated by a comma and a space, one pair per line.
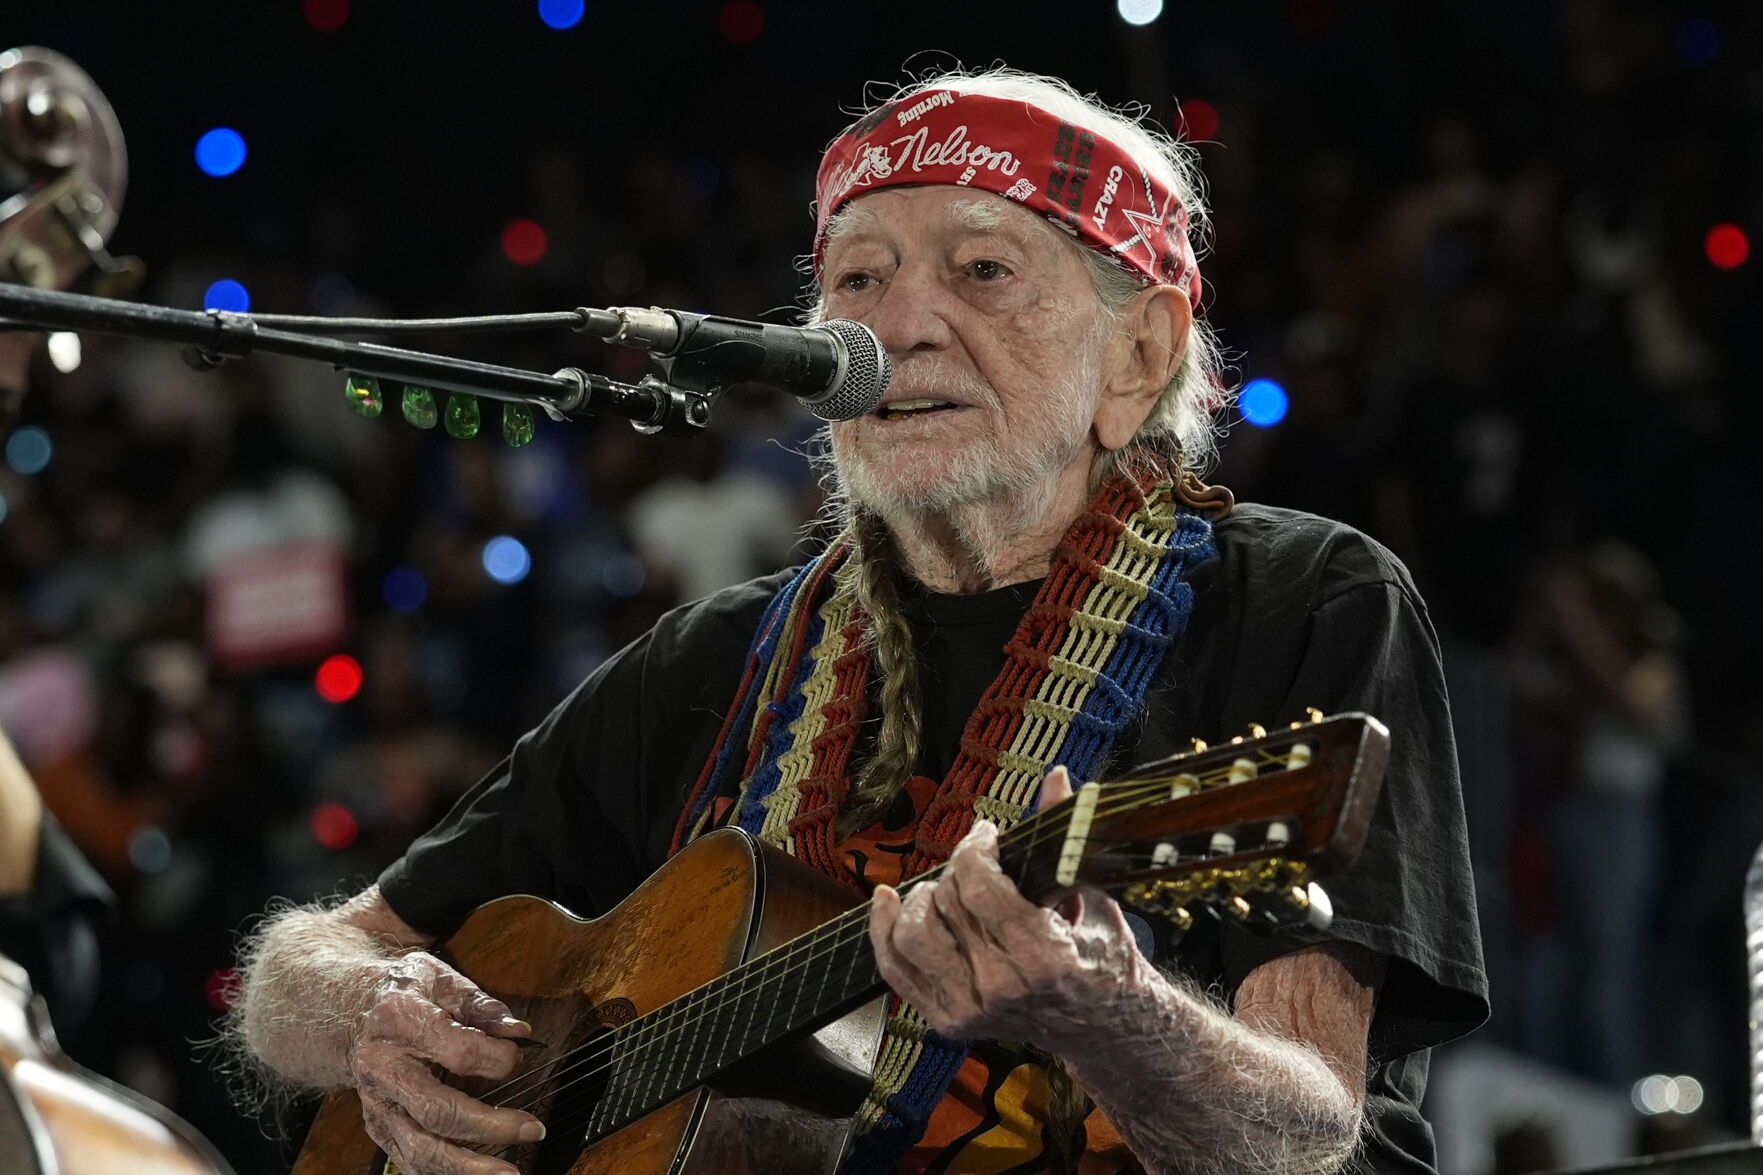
484, 324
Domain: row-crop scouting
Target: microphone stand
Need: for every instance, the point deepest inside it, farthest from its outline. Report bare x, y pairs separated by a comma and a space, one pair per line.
210, 337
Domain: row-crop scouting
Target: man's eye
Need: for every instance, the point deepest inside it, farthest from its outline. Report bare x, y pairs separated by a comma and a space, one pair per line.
987, 270
856, 281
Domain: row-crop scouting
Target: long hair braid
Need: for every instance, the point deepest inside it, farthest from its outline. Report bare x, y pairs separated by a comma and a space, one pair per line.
901, 735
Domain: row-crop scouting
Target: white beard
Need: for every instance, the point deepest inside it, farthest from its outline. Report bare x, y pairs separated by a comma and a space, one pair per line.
990, 494
1018, 475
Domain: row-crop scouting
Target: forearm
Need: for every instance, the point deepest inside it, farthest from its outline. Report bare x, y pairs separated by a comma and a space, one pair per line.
21, 824
1193, 1089
307, 979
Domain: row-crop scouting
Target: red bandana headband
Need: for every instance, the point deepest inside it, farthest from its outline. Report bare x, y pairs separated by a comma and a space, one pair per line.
1077, 179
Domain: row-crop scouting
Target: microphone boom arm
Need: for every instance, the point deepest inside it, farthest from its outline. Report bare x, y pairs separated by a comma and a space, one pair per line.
212, 336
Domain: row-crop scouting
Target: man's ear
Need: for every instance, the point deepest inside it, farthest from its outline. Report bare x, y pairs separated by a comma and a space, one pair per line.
1147, 352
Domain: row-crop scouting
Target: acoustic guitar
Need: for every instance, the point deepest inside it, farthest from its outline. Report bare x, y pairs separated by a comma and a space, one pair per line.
736, 977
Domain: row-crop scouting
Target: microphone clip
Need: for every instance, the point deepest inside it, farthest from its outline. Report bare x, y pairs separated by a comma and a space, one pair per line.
681, 412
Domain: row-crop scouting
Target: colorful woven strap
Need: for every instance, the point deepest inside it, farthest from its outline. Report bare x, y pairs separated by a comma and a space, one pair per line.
1075, 673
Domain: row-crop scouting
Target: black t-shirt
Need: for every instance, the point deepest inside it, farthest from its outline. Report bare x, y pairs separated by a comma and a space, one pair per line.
52, 931
1295, 611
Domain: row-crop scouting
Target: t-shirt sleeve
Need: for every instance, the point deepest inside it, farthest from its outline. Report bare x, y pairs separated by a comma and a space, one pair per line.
1367, 645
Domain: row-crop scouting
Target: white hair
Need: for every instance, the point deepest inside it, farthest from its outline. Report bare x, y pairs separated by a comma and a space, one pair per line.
1180, 429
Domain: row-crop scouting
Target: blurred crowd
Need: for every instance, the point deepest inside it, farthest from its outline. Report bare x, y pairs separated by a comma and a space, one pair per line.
1506, 354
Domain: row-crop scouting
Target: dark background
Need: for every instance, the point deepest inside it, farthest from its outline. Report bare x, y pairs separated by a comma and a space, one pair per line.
1467, 239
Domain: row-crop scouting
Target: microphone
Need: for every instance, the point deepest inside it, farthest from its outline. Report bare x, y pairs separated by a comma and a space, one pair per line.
838, 368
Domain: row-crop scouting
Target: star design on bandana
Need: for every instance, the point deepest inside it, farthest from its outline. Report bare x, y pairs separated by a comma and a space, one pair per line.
1149, 225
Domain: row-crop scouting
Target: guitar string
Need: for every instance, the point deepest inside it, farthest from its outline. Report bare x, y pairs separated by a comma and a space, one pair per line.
645, 1092
658, 1027
1120, 797
713, 998
652, 1028
661, 1025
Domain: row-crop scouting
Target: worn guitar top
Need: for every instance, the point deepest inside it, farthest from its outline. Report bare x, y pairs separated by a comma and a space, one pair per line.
1294, 611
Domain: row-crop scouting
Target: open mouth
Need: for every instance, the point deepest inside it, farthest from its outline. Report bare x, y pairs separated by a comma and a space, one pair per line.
901, 409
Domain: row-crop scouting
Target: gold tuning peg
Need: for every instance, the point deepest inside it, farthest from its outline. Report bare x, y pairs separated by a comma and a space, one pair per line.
1256, 730
1315, 714
1199, 744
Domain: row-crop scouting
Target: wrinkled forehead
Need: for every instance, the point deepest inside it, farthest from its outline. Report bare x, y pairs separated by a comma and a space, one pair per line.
938, 210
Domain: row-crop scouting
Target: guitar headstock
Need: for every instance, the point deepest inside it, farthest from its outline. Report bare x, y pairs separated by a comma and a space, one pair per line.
1243, 827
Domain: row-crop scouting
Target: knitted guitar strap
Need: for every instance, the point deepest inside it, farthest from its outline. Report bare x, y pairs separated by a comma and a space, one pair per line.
1114, 601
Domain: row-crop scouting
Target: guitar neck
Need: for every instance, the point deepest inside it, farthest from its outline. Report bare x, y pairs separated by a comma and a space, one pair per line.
1240, 827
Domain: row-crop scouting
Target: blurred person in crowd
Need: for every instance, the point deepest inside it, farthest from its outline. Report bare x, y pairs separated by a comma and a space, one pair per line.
404, 769
15, 373
706, 525
52, 902
1026, 256
1605, 711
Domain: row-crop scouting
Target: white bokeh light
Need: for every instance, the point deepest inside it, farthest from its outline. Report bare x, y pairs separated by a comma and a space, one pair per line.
1139, 11
64, 351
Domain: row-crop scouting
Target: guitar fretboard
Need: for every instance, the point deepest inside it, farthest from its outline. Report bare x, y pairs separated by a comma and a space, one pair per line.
831, 970
807, 982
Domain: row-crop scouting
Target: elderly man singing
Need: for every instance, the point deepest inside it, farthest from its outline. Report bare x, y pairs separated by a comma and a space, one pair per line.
1022, 520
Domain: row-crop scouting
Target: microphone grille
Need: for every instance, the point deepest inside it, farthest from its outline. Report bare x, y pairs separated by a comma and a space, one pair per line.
867, 372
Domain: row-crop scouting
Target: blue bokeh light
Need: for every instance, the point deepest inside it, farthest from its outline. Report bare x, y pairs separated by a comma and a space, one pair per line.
506, 559
221, 151
227, 294
561, 14
28, 450
404, 589
150, 849
1263, 402
1698, 41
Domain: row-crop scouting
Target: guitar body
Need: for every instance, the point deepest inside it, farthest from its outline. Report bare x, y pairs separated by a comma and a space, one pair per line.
57, 1118
722, 900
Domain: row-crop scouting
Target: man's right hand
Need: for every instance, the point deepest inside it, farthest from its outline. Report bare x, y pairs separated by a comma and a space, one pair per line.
423, 1015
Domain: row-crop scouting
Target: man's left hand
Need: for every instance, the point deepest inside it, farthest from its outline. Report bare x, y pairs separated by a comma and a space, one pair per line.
980, 960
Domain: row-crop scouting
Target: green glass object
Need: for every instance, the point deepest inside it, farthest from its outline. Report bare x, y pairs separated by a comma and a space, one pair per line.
419, 407
363, 394
463, 418
517, 424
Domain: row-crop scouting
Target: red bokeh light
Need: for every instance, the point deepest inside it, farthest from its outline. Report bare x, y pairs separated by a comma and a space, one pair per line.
524, 242
741, 21
327, 16
222, 988
1197, 120
1310, 17
1727, 246
334, 826
339, 678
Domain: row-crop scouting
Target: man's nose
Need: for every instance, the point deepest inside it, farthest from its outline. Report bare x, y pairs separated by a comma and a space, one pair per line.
912, 313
